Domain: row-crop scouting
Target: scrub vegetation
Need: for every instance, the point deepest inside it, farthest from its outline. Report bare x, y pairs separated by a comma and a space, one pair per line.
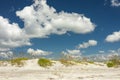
66, 62
114, 61
44, 62
18, 61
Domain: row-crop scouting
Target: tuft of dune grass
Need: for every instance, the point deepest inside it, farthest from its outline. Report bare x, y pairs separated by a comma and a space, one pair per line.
18, 61
66, 62
43, 62
113, 62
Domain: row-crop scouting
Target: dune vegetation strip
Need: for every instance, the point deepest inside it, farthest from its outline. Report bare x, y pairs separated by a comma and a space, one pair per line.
44, 62
66, 62
18, 61
113, 62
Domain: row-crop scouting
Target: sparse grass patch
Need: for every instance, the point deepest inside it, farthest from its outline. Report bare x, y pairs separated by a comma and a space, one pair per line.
114, 62
1, 63
18, 61
4, 62
85, 62
91, 62
66, 62
44, 62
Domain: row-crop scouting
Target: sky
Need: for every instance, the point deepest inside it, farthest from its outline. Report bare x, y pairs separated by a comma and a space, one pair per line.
52, 27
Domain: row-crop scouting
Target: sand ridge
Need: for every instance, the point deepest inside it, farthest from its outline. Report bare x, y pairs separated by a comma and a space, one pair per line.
32, 71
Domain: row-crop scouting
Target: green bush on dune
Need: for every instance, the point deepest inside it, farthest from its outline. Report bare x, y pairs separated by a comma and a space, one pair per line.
91, 62
18, 61
44, 62
113, 62
110, 64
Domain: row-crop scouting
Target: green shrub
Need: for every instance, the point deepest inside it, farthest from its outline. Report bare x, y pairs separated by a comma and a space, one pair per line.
91, 62
44, 62
114, 61
110, 64
18, 61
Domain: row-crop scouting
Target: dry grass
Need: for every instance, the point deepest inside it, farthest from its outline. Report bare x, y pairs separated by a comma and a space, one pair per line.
18, 61
66, 62
114, 62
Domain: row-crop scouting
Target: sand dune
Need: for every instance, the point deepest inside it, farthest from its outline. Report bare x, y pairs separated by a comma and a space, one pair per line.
32, 71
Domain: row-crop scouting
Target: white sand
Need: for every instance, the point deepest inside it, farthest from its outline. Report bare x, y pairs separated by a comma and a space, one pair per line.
32, 71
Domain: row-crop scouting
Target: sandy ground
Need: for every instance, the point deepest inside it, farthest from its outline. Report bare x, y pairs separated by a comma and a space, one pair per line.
32, 71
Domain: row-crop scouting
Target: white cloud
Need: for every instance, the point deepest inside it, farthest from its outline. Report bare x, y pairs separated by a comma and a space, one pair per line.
7, 54
72, 53
106, 55
118, 50
101, 51
115, 3
11, 35
87, 44
113, 37
4, 49
37, 52
113, 53
41, 20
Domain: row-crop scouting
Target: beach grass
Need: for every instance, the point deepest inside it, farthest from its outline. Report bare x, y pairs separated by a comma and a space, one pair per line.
113, 62
18, 61
43, 62
66, 62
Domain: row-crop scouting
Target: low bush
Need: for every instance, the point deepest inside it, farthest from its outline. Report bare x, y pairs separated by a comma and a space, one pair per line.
110, 64
44, 62
114, 62
91, 62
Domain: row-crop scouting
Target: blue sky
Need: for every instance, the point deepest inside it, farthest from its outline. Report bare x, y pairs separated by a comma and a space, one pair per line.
66, 36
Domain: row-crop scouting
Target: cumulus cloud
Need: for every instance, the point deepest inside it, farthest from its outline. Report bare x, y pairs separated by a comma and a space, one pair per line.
37, 52
77, 52
101, 51
114, 37
87, 44
109, 54
11, 35
115, 3
113, 53
72, 53
41, 20
4, 49
6, 55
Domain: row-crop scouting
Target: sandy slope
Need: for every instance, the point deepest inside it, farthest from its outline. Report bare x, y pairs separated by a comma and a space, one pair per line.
32, 71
